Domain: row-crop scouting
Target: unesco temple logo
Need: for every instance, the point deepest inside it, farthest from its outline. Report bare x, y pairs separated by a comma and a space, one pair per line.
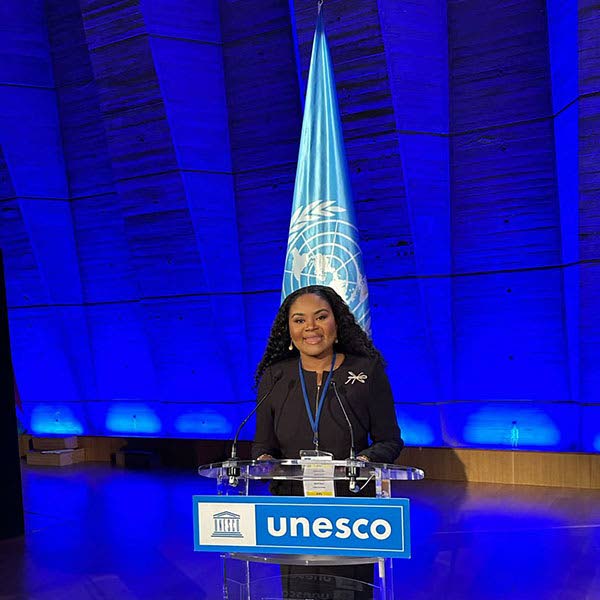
323, 250
226, 524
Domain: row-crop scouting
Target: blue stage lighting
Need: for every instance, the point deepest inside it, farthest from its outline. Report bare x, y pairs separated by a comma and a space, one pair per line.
132, 419
54, 419
511, 426
415, 432
204, 422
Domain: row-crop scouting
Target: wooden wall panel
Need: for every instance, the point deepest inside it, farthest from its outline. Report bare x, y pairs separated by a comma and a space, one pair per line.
552, 469
595, 472
564, 470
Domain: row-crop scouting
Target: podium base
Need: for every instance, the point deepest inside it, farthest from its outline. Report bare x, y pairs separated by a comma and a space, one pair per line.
305, 577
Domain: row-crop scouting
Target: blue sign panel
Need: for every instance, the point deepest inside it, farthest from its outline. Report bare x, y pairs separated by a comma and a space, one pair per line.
296, 525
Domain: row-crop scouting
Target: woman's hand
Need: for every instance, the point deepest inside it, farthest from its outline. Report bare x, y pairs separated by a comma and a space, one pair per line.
265, 457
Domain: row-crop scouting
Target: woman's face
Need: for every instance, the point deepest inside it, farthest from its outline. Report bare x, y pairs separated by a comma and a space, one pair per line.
312, 326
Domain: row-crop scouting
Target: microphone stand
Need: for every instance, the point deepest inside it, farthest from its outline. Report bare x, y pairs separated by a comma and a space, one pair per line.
232, 466
352, 470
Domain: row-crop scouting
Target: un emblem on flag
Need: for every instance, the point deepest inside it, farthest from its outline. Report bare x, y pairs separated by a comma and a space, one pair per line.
323, 250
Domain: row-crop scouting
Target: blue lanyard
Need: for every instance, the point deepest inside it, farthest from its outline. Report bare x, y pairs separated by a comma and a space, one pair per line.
314, 422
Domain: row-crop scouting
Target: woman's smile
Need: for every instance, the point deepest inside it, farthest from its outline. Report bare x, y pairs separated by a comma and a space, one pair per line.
313, 329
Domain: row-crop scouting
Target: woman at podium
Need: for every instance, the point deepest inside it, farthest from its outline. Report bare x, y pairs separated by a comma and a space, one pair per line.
322, 384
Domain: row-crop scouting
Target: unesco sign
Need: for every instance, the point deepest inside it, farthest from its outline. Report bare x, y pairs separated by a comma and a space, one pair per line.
296, 525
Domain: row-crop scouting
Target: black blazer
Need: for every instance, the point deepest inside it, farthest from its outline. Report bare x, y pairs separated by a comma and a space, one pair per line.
283, 427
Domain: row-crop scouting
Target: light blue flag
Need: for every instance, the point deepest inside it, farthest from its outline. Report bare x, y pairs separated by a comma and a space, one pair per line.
323, 239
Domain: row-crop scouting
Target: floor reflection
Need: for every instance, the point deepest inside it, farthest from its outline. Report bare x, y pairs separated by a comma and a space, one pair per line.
95, 531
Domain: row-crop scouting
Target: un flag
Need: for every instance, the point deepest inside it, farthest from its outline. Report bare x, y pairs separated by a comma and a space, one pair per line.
323, 245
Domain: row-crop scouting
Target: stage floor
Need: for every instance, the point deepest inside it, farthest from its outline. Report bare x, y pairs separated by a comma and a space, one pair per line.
101, 532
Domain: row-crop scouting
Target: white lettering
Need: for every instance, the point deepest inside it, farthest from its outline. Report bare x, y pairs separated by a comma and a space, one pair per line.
362, 535
343, 531
322, 527
294, 522
282, 526
387, 529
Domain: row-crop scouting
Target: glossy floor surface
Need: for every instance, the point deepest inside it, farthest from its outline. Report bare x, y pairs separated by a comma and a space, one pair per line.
100, 532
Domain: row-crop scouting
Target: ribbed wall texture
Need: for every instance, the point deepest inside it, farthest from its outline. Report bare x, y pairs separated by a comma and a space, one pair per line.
147, 160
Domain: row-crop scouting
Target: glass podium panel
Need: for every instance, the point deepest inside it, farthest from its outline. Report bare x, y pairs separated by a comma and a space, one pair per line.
274, 576
233, 476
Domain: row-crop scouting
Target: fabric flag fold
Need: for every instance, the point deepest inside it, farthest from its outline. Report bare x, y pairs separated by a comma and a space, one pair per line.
323, 243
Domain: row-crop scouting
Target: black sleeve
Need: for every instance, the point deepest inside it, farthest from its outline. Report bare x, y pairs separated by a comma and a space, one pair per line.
264, 438
384, 431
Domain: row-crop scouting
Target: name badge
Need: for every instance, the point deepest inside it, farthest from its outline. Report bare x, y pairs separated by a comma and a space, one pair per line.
318, 474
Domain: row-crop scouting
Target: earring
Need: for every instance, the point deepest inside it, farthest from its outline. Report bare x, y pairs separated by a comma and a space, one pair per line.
336, 341
290, 347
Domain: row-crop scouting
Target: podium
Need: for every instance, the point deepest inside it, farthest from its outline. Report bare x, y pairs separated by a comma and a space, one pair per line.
249, 574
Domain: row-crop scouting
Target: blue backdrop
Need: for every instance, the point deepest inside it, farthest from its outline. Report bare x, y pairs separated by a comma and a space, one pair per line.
147, 159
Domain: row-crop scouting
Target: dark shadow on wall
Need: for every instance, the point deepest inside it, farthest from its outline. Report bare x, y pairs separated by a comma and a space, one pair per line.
11, 498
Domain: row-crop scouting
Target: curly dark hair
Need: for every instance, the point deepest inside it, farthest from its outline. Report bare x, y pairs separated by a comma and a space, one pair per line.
351, 338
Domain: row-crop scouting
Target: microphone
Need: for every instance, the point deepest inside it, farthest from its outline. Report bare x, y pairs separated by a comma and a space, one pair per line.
351, 471
233, 471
